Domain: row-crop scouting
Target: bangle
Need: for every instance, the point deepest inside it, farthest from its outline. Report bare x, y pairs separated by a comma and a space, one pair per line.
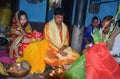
33, 40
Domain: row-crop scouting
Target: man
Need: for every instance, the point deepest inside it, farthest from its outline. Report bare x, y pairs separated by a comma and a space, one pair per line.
56, 32
113, 41
114, 38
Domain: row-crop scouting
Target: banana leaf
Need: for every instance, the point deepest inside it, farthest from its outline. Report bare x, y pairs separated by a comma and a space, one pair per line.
77, 69
97, 36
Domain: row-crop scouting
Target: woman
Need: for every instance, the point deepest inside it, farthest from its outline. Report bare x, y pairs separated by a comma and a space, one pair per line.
27, 44
87, 38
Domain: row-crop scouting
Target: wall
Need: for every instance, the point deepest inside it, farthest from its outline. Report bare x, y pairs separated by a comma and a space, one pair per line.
35, 12
108, 8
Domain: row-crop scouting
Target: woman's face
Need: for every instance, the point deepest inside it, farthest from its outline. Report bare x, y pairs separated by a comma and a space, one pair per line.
95, 23
23, 20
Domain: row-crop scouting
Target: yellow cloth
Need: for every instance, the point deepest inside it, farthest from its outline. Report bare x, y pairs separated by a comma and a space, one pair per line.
28, 29
3, 70
34, 54
57, 37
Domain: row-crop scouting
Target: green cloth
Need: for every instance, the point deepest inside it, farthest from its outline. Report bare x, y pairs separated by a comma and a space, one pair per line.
77, 69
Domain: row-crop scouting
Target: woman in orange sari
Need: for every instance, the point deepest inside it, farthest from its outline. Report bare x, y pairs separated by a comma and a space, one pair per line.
27, 44
56, 32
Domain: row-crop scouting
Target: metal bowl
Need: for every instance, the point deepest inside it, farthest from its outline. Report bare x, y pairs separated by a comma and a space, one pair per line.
17, 70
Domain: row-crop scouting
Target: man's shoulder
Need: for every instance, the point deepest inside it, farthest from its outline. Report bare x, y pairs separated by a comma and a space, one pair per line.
64, 24
47, 23
117, 28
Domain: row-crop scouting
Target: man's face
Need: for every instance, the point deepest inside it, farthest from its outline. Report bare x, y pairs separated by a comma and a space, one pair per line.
58, 19
105, 26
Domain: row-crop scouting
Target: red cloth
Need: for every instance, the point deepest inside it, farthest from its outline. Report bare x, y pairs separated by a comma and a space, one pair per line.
100, 64
30, 35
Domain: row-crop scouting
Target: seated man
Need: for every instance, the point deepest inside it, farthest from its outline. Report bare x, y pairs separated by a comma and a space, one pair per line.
56, 32
114, 38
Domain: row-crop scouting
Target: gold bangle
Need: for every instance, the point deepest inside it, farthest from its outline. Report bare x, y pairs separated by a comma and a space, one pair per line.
33, 40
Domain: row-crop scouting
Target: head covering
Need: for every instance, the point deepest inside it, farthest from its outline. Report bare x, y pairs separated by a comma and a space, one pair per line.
99, 20
16, 22
21, 12
16, 19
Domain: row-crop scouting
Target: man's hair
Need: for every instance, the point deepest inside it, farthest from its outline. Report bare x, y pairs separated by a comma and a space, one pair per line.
108, 18
58, 11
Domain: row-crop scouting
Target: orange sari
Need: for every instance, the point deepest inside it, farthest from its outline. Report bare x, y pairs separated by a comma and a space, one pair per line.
56, 40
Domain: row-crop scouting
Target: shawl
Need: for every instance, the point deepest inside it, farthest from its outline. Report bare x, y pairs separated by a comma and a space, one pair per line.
54, 34
55, 38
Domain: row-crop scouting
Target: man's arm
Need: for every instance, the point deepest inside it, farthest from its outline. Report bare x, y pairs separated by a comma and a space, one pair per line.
116, 46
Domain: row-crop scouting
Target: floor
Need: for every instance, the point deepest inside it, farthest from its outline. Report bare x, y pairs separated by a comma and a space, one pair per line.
6, 59
45, 75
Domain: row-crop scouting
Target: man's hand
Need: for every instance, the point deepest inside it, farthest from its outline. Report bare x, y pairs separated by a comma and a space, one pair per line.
63, 53
62, 48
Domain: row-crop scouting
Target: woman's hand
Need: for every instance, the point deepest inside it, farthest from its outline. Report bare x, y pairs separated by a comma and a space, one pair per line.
38, 39
26, 40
